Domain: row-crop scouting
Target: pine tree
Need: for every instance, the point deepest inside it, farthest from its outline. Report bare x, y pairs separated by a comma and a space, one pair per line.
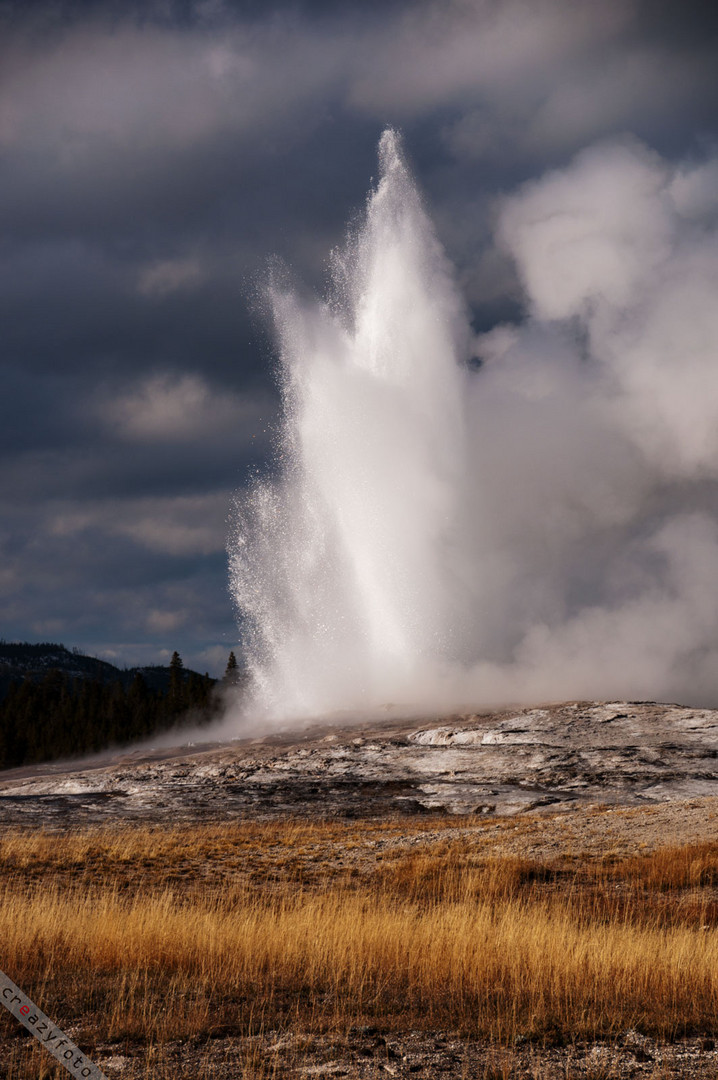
177, 686
231, 672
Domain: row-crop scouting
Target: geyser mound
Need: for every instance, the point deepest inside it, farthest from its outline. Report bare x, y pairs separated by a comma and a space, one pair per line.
544, 527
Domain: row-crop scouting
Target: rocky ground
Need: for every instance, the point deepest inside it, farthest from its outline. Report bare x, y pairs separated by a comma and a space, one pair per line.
546, 760
369, 1054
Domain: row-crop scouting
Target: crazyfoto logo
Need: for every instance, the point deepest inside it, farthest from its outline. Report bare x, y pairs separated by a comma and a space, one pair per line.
46, 1032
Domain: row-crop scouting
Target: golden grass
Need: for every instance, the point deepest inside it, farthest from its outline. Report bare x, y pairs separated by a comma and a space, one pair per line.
152, 935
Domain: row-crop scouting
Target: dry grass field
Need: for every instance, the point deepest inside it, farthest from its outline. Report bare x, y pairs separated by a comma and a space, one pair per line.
292, 949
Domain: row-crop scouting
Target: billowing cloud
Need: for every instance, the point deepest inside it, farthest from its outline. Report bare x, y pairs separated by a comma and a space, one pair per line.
181, 525
93, 86
168, 276
173, 408
589, 235
437, 53
618, 242
599, 415
164, 622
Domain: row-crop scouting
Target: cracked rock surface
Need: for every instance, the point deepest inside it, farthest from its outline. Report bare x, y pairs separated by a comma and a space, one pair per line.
556, 757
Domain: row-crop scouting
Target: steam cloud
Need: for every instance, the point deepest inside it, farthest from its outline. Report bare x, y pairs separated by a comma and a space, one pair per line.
544, 526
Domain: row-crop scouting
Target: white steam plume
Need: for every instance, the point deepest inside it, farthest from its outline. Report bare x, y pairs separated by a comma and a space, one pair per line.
542, 528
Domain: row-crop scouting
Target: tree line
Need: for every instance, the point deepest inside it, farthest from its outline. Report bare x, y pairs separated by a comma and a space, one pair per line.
59, 716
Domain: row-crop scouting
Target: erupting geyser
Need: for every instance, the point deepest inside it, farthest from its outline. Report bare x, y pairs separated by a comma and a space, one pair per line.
347, 567
544, 527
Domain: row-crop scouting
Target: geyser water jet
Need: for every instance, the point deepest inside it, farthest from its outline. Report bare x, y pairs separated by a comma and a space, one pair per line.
543, 528
345, 569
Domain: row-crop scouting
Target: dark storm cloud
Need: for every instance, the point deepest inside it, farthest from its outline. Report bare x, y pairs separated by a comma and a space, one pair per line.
153, 156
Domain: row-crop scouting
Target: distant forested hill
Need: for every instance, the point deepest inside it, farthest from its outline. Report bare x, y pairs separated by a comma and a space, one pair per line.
19, 659
56, 702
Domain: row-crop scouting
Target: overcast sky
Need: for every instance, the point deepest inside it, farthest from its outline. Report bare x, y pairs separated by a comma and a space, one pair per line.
156, 158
